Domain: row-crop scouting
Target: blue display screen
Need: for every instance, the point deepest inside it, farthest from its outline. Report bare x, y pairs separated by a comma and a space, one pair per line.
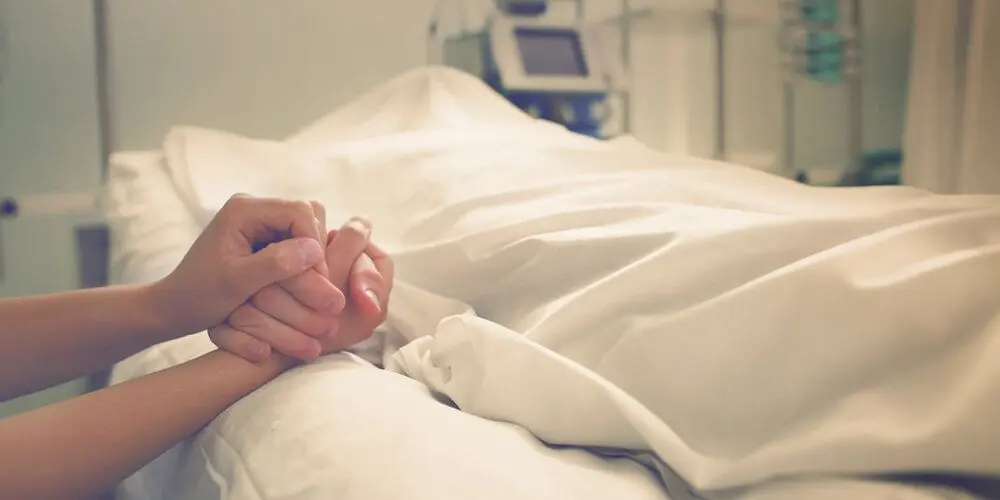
551, 52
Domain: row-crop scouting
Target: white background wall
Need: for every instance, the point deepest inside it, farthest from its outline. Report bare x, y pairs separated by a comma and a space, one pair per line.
259, 67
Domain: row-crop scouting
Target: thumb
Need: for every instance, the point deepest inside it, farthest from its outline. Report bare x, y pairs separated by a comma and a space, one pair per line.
276, 262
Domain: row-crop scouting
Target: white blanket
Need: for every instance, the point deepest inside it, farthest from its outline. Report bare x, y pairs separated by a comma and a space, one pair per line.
759, 338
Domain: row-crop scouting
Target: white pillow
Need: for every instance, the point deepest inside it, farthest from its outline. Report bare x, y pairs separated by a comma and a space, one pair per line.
208, 166
150, 227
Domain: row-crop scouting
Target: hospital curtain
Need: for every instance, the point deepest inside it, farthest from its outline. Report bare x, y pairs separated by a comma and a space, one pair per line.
952, 135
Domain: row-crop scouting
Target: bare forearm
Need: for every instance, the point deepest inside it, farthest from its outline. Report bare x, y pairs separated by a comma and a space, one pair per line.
54, 338
81, 447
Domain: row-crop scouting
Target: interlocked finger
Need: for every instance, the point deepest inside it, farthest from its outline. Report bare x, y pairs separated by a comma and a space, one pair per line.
344, 248
281, 337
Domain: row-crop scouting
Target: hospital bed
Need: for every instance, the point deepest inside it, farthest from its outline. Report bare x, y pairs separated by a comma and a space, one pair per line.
338, 428
561, 327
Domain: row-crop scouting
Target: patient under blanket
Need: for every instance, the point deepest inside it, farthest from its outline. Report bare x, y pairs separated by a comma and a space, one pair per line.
753, 337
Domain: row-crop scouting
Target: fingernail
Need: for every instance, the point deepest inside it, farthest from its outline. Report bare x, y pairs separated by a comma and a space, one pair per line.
259, 350
360, 225
336, 304
315, 349
310, 251
371, 295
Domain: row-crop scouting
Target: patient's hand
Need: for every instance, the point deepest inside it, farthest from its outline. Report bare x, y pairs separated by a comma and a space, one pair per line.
365, 273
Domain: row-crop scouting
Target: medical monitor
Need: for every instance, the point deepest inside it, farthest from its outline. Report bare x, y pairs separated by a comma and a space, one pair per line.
551, 52
536, 55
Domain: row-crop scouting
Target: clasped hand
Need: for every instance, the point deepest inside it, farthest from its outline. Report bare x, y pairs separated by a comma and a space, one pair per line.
306, 293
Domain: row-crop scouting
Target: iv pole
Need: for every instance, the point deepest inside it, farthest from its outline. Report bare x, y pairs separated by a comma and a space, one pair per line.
719, 20
855, 146
794, 30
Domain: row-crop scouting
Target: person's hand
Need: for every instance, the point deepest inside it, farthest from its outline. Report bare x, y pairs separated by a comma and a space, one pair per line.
289, 316
366, 272
222, 271
253, 329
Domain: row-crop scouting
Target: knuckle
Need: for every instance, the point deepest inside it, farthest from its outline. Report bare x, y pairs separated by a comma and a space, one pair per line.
259, 300
265, 298
286, 263
229, 287
302, 350
316, 324
237, 200
317, 207
226, 339
303, 206
247, 319
217, 335
306, 292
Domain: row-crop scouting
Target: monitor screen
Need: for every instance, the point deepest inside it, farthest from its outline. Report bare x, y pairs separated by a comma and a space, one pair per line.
551, 52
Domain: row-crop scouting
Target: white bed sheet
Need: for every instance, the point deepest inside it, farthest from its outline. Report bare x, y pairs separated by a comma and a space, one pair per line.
758, 338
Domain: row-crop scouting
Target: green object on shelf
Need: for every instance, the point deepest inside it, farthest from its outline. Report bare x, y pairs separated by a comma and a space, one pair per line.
820, 11
824, 56
880, 167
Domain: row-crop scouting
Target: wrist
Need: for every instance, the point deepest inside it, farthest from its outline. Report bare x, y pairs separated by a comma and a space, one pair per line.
265, 370
153, 299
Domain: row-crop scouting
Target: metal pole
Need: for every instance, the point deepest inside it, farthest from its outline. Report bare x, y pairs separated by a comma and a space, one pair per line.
101, 65
719, 17
786, 49
626, 8
789, 122
856, 137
